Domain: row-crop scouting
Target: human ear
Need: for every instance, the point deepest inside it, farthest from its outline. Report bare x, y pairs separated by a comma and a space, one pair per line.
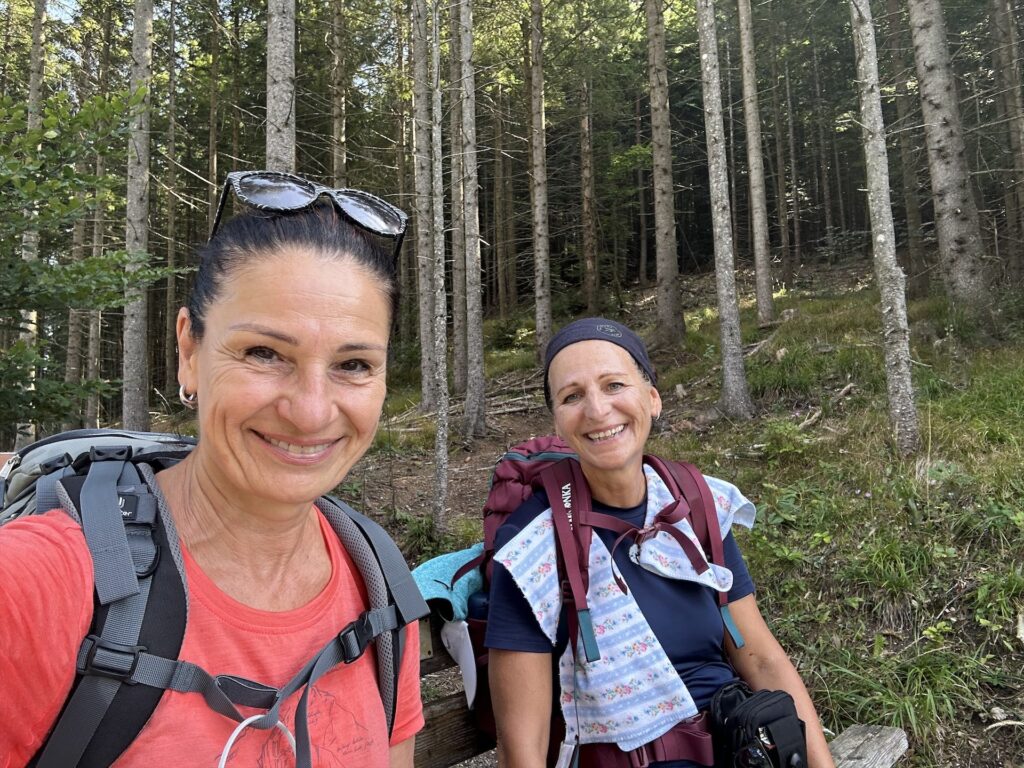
188, 348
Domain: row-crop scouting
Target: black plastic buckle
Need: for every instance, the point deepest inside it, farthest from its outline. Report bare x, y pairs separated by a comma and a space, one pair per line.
57, 462
355, 637
121, 667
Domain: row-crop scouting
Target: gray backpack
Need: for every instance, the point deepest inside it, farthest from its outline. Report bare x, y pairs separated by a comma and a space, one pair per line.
104, 480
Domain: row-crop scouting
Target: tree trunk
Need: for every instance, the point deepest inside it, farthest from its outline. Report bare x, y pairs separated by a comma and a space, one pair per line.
895, 331
781, 206
135, 397
26, 431
440, 325
539, 182
236, 65
458, 181
407, 263
1004, 36
733, 195
171, 295
339, 97
211, 150
826, 185
73, 356
281, 85
917, 285
735, 401
671, 325
475, 417
961, 254
509, 221
500, 214
589, 217
641, 193
424, 208
794, 182
755, 165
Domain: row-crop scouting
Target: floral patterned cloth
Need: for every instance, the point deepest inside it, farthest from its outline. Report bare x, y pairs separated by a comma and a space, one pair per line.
632, 694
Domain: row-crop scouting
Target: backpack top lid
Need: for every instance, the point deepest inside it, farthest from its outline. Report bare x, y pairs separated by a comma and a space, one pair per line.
56, 456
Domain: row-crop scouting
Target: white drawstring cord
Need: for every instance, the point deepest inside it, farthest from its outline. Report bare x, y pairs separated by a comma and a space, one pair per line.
241, 727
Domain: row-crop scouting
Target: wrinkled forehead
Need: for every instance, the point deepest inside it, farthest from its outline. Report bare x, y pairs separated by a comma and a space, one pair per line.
592, 358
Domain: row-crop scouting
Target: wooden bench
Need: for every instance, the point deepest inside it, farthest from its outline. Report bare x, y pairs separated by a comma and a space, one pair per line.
450, 735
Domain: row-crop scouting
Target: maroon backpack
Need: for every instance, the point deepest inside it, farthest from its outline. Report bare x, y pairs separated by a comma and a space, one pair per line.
548, 463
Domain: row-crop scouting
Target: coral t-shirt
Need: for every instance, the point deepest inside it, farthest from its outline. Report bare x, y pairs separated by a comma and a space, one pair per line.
46, 588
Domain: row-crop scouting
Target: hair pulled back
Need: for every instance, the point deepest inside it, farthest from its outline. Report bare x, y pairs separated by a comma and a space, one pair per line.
250, 237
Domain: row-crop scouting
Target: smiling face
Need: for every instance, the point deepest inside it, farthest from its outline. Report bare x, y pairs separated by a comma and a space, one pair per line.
289, 374
603, 408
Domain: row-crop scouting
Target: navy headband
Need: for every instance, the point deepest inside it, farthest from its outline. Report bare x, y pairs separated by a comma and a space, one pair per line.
597, 329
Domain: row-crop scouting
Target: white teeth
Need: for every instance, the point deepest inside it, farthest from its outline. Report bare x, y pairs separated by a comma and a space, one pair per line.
607, 433
302, 450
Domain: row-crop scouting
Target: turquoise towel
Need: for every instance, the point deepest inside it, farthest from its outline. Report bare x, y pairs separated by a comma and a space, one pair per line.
434, 578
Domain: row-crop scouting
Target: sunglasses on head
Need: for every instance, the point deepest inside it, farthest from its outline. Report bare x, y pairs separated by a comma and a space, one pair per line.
276, 191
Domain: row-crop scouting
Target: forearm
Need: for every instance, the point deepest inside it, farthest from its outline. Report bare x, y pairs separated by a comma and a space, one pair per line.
400, 755
521, 697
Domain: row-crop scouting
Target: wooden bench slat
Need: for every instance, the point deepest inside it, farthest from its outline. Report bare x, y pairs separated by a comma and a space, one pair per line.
868, 746
451, 735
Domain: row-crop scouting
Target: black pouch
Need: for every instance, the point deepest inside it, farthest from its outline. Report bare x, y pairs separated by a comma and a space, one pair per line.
756, 730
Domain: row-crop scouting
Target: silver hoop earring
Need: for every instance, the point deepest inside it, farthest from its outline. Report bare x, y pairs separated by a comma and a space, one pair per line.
189, 401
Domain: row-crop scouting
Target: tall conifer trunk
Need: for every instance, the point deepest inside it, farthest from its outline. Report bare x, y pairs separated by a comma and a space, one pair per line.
281, 85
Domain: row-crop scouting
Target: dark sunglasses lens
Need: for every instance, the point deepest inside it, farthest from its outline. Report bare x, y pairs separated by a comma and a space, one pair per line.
375, 215
275, 192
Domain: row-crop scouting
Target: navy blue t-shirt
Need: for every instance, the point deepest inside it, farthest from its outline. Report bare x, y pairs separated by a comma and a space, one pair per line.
683, 615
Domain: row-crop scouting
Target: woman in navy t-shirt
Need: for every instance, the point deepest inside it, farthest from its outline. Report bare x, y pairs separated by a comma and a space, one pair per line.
600, 386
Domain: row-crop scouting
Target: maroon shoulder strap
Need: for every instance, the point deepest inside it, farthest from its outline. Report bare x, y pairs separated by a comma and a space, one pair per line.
568, 494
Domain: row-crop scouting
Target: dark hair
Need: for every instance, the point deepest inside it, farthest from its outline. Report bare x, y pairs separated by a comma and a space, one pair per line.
250, 236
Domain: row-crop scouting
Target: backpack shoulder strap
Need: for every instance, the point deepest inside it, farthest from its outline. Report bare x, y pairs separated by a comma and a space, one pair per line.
140, 607
395, 600
569, 497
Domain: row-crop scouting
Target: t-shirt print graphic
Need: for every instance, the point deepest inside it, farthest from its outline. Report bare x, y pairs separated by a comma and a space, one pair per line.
338, 738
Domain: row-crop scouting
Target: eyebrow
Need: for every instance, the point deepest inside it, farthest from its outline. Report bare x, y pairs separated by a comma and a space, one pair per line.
264, 330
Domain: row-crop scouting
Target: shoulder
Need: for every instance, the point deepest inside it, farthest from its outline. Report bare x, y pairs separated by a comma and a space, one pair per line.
525, 514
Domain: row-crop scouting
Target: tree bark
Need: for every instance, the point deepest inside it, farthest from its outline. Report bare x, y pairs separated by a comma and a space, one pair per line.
588, 214
671, 324
281, 85
917, 285
895, 331
424, 208
135, 397
735, 400
458, 180
539, 183
823, 156
781, 205
26, 431
794, 183
961, 252
500, 214
73, 356
755, 166
339, 97
211, 150
475, 415
641, 194
171, 294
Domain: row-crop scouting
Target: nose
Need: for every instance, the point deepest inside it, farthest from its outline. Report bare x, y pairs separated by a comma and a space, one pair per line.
595, 404
307, 404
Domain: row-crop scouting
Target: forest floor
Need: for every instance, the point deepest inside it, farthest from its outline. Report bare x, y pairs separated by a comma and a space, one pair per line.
896, 584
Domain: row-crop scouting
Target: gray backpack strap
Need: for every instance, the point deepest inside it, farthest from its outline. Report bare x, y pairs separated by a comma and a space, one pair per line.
388, 582
123, 565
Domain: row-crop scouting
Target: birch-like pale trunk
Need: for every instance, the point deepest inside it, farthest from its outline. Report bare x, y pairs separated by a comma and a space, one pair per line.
671, 324
588, 217
339, 97
539, 183
475, 424
458, 180
440, 324
962, 259
895, 331
135, 394
755, 168
281, 85
735, 400
424, 196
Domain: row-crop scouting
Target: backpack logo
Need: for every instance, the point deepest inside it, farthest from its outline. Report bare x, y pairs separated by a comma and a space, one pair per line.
567, 501
128, 505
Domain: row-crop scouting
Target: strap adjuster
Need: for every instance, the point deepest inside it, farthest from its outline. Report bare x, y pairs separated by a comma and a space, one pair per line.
356, 636
105, 658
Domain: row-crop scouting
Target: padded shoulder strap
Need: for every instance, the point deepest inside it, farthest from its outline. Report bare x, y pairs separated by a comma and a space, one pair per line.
388, 582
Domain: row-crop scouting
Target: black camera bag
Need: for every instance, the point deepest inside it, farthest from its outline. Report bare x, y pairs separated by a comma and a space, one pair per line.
760, 728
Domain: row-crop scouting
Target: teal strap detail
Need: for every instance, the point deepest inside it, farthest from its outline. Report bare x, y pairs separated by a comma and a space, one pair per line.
734, 631
587, 634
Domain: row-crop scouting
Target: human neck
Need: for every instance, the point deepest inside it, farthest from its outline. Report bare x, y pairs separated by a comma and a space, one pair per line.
267, 556
623, 488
